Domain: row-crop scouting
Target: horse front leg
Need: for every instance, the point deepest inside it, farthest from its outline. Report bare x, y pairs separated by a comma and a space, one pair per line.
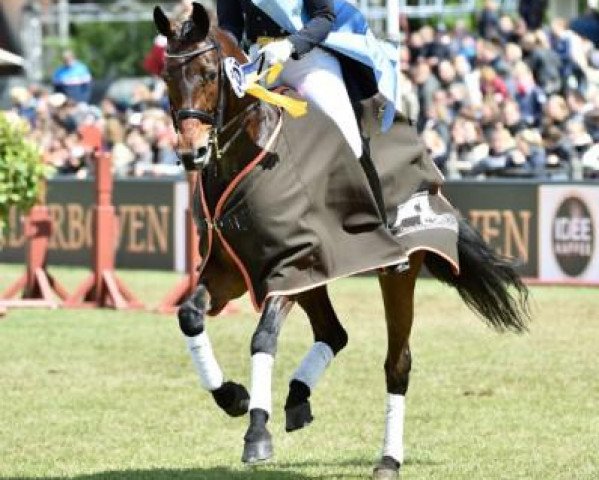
329, 339
258, 441
232, 397
398, 298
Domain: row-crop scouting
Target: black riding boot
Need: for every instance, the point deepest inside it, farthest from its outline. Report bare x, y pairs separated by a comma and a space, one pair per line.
373, 180
377, 191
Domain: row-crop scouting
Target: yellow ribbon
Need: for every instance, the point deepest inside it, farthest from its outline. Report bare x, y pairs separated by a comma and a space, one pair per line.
295, 108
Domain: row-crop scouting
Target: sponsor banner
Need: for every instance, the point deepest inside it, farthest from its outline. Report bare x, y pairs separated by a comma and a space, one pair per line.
569, 232
505, 214
150, 224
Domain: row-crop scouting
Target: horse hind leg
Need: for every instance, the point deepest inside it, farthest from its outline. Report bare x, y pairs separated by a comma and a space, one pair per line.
329, 339
232, 397
398, 298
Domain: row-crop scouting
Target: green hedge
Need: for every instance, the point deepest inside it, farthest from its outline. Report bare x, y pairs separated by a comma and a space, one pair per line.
21, 169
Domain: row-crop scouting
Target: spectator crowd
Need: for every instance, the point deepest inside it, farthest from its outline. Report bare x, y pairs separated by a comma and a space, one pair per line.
137, 131
506, 99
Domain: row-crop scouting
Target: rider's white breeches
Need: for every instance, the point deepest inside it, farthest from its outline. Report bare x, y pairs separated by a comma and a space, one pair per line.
317, 77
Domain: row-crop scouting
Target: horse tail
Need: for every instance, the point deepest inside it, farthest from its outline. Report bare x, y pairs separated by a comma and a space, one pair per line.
487, 282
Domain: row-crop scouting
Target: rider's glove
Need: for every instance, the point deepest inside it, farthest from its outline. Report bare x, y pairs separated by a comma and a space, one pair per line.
277, 52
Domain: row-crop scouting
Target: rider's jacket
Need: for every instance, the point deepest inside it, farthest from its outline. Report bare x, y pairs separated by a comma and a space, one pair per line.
242, 16
349, 36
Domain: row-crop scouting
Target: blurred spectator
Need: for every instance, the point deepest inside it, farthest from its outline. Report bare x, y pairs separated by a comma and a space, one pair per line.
560, 153
577, 105
533, 12
439, 116
529, 96
435, 46
513, 54
155, 58
591, 121
542, 61
24, 104
470, 78
492, 85
426, 85
408, 98
512, 118
504, 158
561, 43
530, 144
463, 42
590, 163
490, 116
437, 148
488, 21
114, 130
490, 54
587, 25
73, 78
579, 138
468, 144
557, 112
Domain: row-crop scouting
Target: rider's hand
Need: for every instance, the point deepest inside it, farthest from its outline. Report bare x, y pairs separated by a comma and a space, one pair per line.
277, 52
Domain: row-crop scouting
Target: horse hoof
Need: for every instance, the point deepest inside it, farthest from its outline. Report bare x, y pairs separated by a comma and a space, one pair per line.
233, 398
387, 469
257, 451
385, 474
298, 417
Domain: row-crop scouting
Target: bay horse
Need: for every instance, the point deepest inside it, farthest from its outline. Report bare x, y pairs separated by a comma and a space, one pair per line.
226, 139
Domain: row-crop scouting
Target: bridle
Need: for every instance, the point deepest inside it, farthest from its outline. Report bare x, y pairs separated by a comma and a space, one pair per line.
215, 118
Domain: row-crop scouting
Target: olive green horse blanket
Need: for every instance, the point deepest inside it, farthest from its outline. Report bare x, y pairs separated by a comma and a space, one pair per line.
304, 214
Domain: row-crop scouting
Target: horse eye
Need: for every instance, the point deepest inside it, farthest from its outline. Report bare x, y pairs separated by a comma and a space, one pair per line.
211, 76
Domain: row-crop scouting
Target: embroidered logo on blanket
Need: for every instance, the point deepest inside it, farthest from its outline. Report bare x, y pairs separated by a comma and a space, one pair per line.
417, 214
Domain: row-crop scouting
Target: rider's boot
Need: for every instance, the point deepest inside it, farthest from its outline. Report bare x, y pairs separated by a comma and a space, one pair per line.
373, 180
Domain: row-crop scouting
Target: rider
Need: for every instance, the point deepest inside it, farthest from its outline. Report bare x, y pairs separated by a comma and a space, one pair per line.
312, 71
318, 66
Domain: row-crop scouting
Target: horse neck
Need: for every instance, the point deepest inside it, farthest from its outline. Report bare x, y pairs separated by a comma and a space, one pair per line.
257, 124
252, 125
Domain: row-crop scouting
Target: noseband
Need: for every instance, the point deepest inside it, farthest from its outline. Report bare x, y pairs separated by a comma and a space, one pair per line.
213, 118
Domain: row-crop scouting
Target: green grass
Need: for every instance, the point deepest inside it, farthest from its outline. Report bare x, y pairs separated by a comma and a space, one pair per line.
100, 395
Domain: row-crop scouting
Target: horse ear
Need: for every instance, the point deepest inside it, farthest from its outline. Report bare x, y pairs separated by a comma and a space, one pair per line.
200, 19
162, 22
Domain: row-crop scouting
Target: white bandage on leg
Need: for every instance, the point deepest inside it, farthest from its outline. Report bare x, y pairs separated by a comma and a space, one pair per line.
394, 425
261, 389
314, 364
210, 374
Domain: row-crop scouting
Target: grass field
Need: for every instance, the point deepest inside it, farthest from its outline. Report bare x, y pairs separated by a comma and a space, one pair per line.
105, 395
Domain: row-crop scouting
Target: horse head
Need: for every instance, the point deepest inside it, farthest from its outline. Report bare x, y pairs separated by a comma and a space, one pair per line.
200, 96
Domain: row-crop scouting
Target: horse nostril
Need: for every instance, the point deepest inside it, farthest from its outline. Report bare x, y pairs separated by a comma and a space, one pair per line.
194, 159
201, 152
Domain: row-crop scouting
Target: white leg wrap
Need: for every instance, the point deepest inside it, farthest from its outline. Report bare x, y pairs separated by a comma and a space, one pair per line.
314, 364
209, 373
261, 389
394, 424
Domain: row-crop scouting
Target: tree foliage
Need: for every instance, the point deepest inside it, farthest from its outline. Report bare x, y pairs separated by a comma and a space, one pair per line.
21, 169
113, 49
